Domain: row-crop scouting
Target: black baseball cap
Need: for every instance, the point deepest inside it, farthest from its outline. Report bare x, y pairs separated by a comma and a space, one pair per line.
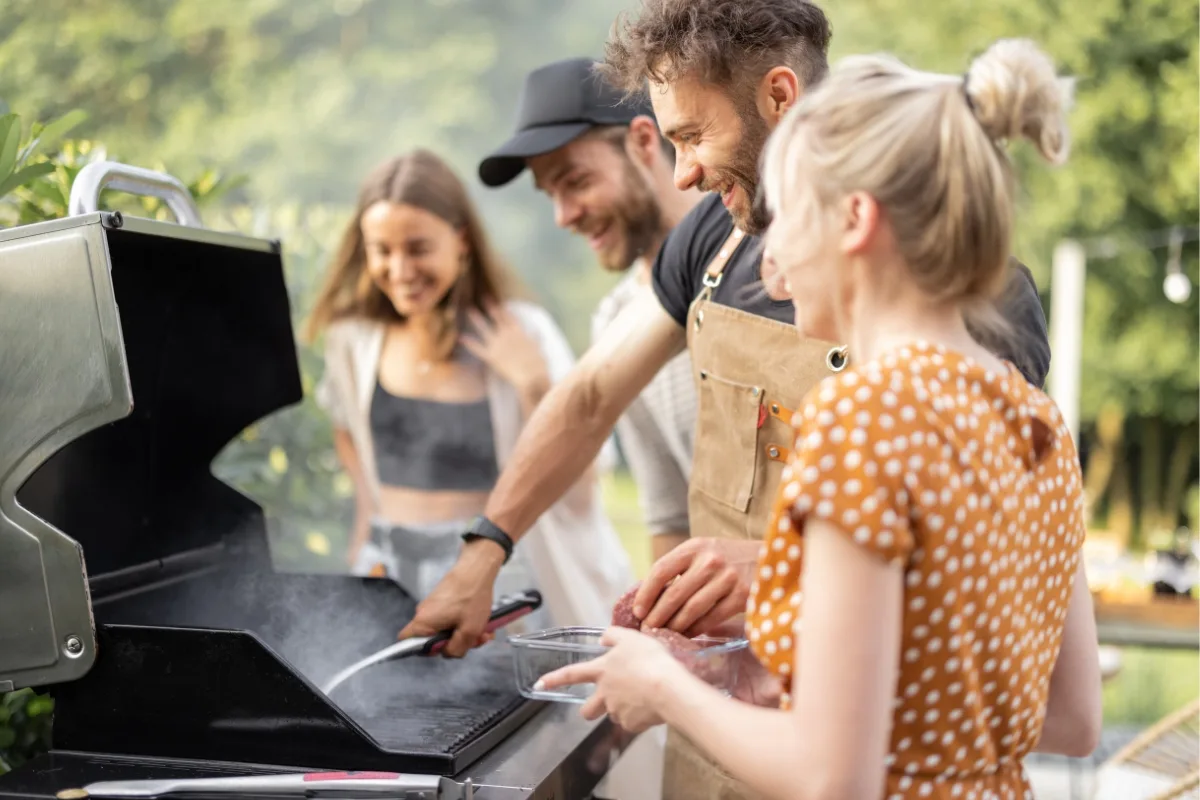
559, 103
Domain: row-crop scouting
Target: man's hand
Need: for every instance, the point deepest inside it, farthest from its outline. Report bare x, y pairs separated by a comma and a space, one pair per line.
697, 586
462, 601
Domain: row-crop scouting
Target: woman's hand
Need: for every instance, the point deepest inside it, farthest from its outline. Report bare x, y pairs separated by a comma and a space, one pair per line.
630, 679
499, 341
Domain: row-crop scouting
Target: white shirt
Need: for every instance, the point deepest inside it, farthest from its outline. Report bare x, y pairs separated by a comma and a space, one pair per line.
657, 431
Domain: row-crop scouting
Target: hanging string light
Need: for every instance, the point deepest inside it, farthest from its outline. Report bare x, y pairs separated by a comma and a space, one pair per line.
1176, 286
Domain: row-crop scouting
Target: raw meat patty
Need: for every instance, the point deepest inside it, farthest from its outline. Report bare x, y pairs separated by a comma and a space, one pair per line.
622, 616
680, 646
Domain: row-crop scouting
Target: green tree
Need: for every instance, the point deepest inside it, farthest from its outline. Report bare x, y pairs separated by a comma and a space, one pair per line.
304, 96
1135, 157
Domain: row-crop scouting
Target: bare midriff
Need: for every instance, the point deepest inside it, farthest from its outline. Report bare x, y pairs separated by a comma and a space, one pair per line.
403, 506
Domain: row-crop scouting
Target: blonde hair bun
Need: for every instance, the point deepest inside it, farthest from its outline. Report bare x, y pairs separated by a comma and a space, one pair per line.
1015, 91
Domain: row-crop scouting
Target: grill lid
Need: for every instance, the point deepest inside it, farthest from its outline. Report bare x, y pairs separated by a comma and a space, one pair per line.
134, 351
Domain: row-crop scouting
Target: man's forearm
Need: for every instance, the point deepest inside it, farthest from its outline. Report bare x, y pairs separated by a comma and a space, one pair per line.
560, 441
531, 397
564, 435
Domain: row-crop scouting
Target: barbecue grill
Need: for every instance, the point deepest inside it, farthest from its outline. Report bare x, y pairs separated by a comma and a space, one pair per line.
131, 352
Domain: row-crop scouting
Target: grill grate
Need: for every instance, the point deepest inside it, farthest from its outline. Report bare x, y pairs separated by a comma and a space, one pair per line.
433, 704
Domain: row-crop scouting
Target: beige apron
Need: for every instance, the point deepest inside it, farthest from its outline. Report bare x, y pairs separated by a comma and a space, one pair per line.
751, 373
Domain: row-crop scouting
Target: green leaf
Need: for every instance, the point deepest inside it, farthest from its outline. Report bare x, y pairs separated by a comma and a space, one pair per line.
211, 187
23, 176
54, 131
39, 704
50, 191
10, 137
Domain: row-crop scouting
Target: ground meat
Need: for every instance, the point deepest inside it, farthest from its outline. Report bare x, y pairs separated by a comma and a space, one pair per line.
677, 643
680, 646
622, 616
686, 652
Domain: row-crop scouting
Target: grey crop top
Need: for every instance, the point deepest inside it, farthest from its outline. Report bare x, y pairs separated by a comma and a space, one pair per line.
431, 445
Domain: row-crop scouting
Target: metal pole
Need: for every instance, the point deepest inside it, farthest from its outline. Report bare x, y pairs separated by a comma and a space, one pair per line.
1066, 329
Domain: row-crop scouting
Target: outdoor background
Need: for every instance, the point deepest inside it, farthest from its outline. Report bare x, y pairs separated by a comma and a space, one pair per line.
273, 110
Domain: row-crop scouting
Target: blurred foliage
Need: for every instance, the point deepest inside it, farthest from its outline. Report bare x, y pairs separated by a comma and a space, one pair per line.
1131, 176
24, 727
47, 194
305, 95
1151, 684
22, 158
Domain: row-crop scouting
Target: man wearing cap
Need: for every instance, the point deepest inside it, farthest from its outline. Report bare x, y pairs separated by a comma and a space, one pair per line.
609, 174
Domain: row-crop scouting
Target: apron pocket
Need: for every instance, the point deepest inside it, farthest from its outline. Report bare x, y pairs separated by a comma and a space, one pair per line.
727, 421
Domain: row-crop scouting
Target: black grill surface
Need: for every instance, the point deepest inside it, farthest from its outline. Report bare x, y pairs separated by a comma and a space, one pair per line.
443, 712
433, 703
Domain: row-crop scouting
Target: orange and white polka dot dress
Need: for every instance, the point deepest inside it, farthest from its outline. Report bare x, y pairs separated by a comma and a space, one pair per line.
970, 480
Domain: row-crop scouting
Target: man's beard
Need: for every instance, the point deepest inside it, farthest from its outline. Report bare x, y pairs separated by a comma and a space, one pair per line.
638, 219
742, 170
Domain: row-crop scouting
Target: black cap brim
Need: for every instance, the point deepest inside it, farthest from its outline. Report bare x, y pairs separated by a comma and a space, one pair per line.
509, 159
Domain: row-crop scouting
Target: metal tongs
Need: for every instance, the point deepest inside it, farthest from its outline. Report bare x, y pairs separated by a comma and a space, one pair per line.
506, 610
311, 784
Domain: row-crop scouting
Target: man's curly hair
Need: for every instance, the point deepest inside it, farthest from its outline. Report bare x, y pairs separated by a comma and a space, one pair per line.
729, 43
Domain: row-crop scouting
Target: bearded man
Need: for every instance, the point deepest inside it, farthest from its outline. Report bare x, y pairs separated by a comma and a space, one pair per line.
607, 171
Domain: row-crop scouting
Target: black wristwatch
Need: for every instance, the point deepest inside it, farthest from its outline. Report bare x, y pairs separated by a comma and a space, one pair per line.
483, 528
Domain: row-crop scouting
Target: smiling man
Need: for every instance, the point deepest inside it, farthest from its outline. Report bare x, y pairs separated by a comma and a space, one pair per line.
608, 173
720, 74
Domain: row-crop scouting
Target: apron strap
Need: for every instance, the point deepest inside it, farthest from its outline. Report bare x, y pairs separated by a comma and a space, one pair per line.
780, 413
716, 267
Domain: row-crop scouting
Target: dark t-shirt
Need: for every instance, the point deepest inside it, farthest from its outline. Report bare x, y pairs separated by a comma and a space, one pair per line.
691, 246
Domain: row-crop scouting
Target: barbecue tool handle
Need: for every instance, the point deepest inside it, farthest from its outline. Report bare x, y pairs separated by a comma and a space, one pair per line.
94, 178
313, 784
506, 610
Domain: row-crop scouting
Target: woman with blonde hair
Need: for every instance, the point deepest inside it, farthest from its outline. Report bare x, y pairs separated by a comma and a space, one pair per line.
920, 593
431, 369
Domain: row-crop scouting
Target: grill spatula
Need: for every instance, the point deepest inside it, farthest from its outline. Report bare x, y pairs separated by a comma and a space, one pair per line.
506, 610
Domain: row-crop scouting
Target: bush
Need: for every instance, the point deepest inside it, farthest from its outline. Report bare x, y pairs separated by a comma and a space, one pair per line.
25, 719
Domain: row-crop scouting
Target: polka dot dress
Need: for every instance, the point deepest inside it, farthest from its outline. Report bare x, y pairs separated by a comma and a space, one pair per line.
970, 481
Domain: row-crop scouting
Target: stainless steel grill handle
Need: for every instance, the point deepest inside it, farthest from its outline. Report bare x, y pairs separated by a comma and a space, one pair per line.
94, 178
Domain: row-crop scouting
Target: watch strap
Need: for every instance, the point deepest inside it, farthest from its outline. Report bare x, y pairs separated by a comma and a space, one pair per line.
483, 528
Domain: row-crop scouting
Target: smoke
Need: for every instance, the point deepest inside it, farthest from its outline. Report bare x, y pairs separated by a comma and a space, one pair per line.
322, 624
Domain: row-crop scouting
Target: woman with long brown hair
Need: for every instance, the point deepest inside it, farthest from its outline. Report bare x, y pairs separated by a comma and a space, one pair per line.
431, 370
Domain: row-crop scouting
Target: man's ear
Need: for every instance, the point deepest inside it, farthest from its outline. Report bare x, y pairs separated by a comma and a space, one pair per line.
778, 91
643, 142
